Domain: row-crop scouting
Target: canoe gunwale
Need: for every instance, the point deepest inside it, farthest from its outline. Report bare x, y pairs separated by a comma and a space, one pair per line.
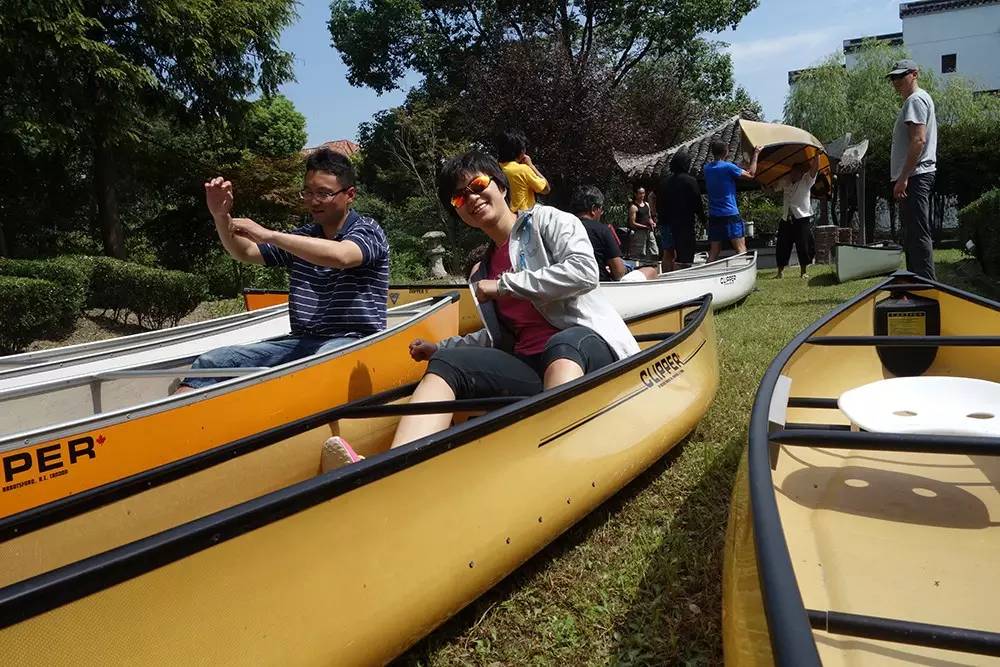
59, 430
788, 624
95, 349
36, 595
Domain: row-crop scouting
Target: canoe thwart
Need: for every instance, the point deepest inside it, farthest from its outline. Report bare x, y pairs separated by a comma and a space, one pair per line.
888, 442
813, 402
907, 341
906, 632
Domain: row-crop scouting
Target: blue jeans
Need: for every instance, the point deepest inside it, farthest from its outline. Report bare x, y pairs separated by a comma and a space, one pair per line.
266, 353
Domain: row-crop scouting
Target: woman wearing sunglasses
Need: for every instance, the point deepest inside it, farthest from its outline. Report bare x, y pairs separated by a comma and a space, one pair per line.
545, 322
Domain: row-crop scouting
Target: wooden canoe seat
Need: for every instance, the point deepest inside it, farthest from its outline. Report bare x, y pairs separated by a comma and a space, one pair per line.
925, 404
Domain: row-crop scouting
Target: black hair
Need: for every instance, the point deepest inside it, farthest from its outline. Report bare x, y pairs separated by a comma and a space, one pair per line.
511, 145
719, 149
332, 162
457, 171
680, 163
585, 198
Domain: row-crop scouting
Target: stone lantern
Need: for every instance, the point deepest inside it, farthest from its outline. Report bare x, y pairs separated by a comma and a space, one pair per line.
435, 253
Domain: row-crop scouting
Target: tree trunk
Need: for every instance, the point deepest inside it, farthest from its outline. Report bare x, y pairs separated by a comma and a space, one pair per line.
106, 192
3, 242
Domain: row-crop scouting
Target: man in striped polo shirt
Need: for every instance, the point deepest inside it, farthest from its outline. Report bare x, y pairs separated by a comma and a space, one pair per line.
338, 268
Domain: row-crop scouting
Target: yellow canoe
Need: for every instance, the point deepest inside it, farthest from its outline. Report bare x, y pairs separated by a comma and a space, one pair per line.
136, 427
850, 547
468, 317
259, 559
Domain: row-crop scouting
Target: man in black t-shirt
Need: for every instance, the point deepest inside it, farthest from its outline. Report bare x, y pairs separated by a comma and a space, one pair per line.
587, 203
678, 203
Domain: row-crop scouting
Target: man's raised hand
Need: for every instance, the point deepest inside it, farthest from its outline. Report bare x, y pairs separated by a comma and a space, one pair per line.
219, 196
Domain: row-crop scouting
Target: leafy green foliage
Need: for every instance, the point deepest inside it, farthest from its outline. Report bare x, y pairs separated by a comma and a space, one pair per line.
116, 67
979, 222
156, 297
73, 282
274, 128
227, 278
26, 311
763, 209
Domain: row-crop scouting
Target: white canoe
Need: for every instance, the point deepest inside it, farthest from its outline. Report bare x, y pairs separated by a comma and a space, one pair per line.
728, 280
864, 261
142, 349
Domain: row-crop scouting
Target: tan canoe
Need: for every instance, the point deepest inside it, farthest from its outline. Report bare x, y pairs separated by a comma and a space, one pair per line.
860, 548
257, 558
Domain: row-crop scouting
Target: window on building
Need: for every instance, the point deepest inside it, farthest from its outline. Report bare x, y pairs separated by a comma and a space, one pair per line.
949, 63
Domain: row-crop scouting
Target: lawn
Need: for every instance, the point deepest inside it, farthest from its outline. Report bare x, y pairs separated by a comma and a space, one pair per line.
638, 582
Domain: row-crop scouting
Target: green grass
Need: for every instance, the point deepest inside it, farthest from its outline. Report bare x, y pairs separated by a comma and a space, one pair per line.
638, 582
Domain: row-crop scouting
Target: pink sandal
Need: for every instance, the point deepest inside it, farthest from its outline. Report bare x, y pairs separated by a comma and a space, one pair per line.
337, 453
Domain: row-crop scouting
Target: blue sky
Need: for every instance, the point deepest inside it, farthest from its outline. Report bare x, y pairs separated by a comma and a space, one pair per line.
778, 36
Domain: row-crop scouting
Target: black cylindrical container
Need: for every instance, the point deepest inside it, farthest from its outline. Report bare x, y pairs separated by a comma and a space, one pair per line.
905, 314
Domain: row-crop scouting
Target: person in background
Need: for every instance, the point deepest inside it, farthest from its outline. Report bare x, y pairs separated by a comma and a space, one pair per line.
587, 203
913, 166
642, 226
546, 323
795, 227
679, 203
724, 221
522, 174
338, 267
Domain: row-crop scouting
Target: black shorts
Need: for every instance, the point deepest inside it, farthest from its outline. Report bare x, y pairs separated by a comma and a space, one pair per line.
484, 372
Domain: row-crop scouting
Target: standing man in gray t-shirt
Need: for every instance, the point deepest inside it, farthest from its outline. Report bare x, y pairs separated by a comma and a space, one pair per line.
912, 166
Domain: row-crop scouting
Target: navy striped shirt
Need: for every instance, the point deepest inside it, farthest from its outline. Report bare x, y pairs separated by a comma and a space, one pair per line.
324, 301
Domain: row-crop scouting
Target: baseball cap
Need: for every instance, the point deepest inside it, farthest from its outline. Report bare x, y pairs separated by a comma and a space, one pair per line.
902, 67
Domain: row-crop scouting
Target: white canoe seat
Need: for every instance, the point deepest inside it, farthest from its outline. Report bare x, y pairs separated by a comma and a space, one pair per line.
925, 404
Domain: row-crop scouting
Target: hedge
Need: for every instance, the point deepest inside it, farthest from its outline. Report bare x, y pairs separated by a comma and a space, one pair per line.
226, 277
26, 311
979, 222
156, 297
74, 282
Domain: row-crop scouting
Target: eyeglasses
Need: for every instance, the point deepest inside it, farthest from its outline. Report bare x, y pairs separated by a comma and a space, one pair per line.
322, 195
475, 187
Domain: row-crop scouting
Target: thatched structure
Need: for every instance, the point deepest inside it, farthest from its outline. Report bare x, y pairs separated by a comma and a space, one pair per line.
646, 170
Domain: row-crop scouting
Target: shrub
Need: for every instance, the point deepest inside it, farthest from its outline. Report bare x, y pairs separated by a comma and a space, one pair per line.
26, 311
155, 296
979, 222
74, 282
226, 277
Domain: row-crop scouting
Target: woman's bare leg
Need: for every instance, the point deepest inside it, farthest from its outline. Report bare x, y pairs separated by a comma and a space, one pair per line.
413, 427
560, 372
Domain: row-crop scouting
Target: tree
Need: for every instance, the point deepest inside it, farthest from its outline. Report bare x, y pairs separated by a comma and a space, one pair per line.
381, 39
100, 69
273, 127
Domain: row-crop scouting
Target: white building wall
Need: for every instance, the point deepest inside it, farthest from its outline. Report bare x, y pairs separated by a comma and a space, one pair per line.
972, 33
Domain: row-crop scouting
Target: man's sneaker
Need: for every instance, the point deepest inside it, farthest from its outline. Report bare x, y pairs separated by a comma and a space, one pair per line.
337, 453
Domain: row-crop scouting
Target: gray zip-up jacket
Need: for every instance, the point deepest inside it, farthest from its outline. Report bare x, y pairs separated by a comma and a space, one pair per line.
554, 268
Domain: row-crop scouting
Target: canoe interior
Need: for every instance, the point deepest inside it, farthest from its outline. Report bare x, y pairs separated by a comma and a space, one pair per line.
86, 396
899, 535
500, 494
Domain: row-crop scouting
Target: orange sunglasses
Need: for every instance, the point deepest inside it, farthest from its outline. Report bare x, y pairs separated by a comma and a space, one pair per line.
475, 187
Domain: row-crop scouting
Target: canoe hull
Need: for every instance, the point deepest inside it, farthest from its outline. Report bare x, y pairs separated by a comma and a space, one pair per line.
855, 261
897, 534
59, 461
352, 567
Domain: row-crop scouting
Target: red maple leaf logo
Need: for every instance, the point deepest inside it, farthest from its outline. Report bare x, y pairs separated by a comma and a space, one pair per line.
101, 439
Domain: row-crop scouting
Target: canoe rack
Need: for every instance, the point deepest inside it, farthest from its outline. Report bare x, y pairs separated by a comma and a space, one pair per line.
788, 619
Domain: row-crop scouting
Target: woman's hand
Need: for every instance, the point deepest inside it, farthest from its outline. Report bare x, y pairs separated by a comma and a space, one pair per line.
487, 290
421, 350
